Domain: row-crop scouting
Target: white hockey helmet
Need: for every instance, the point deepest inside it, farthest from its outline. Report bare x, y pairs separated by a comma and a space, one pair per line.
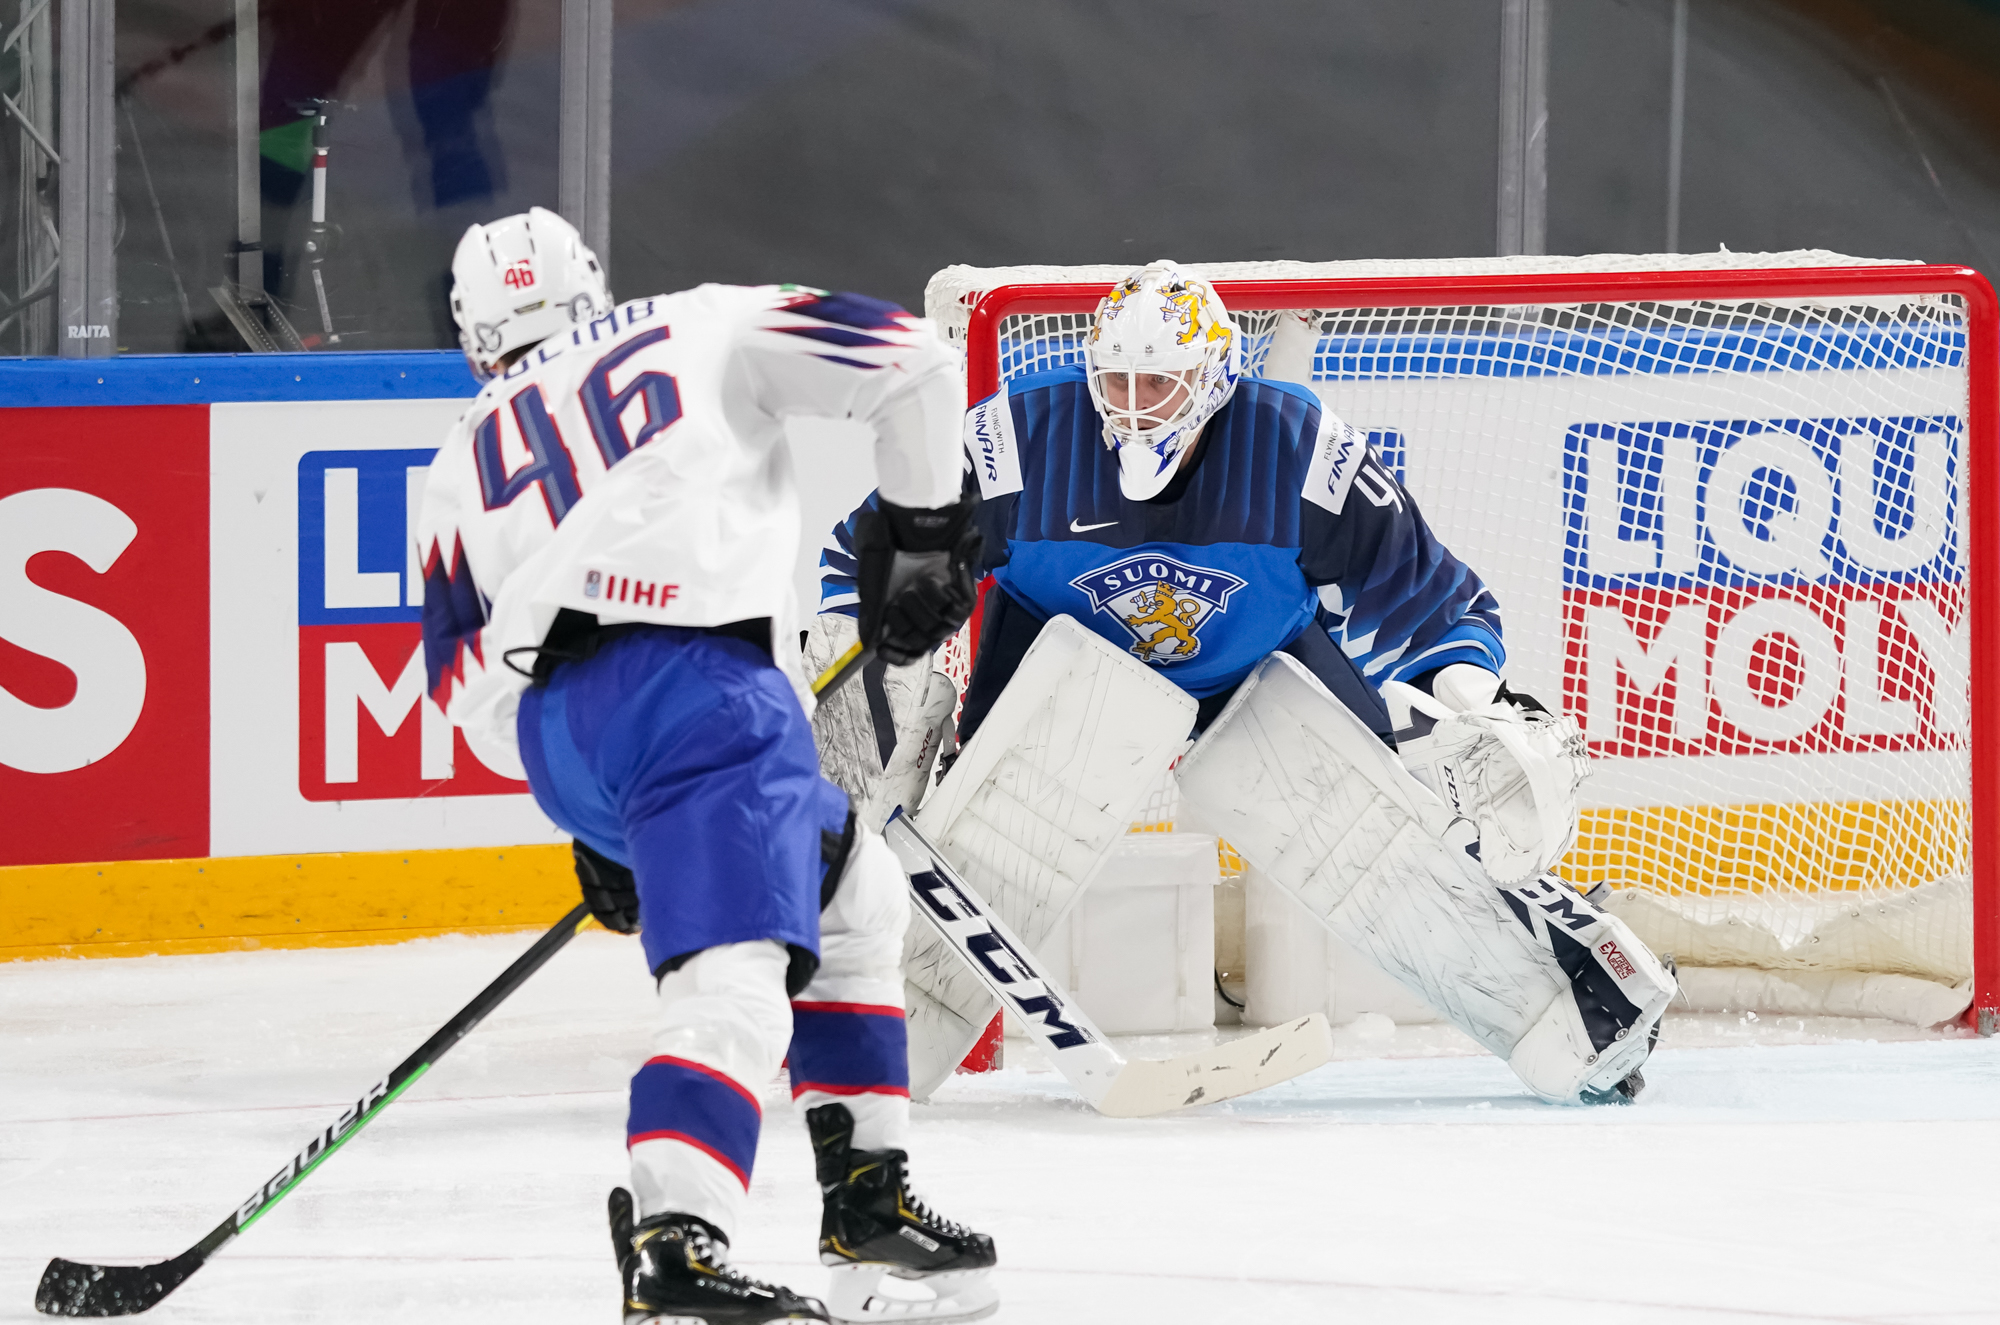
1159, 320
521, 279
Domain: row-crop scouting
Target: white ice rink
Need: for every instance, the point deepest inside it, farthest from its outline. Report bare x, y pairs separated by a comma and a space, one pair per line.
1773, 1172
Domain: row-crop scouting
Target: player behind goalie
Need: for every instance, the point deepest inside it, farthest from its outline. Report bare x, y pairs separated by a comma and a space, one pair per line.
608, 534
1205, 521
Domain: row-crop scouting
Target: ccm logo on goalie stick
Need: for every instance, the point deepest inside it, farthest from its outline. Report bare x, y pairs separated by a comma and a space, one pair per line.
314, 1151
985, 943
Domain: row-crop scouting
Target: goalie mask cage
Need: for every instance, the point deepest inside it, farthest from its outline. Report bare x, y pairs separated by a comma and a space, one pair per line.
1739, 514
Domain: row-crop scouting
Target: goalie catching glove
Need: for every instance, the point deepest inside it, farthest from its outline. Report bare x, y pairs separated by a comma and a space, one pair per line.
1496, 758
915, 577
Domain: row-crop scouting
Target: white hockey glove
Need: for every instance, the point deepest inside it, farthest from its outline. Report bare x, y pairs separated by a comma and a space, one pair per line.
1499, 760
878, 740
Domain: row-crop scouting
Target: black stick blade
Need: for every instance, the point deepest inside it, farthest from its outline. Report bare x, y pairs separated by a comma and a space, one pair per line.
69, 1288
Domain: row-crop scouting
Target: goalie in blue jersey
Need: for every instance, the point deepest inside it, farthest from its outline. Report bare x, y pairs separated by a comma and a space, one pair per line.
1234, 537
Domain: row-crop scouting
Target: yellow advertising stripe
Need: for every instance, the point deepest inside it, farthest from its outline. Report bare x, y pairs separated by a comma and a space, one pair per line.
1822, 845
131, 908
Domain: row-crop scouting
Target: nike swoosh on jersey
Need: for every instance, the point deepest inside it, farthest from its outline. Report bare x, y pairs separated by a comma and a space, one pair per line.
1076, 528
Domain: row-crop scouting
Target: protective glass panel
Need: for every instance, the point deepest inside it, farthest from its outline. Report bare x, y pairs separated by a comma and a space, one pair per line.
318, 207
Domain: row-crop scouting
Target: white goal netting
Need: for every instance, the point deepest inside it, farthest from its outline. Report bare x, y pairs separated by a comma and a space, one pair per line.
1727, 532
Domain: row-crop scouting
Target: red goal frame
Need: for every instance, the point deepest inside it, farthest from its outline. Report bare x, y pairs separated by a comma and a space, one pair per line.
1982, 469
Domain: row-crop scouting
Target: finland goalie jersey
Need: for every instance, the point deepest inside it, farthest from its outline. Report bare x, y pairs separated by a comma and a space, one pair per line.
1285, 519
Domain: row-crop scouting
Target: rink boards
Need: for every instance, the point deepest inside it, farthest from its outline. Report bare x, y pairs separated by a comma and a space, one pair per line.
211, 660
209, 639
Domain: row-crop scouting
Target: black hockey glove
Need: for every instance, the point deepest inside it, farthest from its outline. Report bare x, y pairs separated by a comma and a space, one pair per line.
916, 576
609, 890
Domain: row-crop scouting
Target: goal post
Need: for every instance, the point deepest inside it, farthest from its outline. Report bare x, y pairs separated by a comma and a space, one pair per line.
1742, 516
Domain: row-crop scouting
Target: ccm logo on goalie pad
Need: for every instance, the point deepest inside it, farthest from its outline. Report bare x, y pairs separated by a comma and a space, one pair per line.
1560, 906
999, 958
315, 1150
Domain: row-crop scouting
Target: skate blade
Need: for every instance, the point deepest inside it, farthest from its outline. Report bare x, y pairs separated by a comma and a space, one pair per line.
666, 1318
864, 1294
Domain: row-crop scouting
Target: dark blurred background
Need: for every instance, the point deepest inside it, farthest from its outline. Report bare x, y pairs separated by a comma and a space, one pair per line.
865, 143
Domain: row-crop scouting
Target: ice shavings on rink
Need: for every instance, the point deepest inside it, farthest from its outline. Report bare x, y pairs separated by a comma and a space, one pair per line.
1775, 1171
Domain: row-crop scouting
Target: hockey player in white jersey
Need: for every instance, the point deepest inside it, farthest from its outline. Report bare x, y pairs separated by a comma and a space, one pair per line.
608, 535
1358, 745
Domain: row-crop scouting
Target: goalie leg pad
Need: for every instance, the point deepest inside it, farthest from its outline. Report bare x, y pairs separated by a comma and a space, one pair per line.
1040, 794
1307, 794
1055, 774
1590, 1042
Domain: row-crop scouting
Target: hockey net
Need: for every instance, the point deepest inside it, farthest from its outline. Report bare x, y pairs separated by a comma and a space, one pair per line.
1734, 509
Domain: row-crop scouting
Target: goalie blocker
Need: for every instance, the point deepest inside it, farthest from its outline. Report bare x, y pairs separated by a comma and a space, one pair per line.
1531, 970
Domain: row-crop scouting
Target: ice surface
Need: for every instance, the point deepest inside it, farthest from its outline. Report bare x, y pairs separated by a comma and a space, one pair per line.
1774, 1172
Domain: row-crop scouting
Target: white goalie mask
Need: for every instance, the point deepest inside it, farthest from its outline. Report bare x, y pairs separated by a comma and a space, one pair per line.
1162, 357
519, 280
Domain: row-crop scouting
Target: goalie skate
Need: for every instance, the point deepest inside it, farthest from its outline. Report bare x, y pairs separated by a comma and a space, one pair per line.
892, 1258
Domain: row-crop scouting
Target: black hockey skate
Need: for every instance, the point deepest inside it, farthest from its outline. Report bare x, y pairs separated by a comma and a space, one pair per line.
674, 1275
874, 1229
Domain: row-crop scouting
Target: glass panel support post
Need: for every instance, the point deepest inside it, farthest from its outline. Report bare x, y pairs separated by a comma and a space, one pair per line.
242, 298
28, 321
249, 199
584, 182
87, 142
1524, 127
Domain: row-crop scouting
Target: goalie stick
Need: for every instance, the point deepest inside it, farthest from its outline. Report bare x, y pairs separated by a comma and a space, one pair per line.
73, 1288
1114, 1086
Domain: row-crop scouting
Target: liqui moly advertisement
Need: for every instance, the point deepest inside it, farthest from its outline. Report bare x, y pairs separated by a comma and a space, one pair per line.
1717, 574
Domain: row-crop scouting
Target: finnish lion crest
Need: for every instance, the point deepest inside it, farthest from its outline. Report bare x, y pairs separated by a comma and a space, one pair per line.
1162, 602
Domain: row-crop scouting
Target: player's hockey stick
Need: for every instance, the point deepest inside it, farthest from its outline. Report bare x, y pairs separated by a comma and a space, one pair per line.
847, 665
1116, 1087
71, 1288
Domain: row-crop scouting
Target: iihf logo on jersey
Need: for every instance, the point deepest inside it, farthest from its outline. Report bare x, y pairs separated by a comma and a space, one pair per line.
1163, 602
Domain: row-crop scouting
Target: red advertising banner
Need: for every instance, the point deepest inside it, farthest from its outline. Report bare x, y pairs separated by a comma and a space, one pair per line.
104, 633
